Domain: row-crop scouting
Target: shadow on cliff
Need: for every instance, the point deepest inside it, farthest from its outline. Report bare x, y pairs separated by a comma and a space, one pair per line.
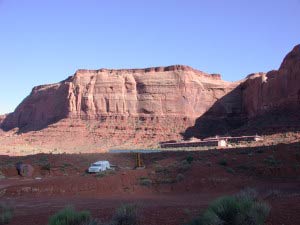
25, 125
225, 115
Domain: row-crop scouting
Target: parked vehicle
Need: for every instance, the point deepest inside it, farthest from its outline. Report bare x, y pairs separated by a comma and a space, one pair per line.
99, 166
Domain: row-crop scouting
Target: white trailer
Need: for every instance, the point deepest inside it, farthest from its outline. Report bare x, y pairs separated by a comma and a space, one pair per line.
99, 166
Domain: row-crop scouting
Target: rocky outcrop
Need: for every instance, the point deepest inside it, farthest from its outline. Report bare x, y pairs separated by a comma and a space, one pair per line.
45, 105
112, 107
277, 90
2, 117
174, 94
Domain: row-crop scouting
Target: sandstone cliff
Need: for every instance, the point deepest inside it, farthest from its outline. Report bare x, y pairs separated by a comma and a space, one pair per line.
177, 93
277, 90
143, 106
2, 117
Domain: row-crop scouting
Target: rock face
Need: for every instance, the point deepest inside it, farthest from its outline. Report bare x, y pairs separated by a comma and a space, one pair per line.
112, 107
2, 117
277, 90
174, 94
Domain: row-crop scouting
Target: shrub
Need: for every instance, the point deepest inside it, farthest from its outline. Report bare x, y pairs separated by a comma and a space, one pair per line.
125, 215
179, 177
6, 213
68, 216
241, 209
145, 181
161, 169
2, 176
46, 166
260, 150
167, 180
184, 166
189, 159
271, 161
223, 162
244, 167
248, 193
230, 170
95, 222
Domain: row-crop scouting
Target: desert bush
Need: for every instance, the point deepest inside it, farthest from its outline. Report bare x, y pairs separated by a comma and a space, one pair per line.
244, 167
144, 181
125, 215
95, 222
295, 166
6, 213
68, 216
179, 177
2, 176
248, 193
184, 165
161, 169
223, 162
260, 150
230, 170
189, 159
167, 180
271, 161
46, 167
241, 209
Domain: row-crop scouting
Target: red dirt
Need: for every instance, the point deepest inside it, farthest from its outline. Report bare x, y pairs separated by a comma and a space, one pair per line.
273, 171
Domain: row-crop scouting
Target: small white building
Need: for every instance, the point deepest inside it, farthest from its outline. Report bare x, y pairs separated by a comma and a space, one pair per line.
222, 143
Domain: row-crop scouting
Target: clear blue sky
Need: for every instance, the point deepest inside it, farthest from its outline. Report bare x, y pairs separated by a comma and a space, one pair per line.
44, 41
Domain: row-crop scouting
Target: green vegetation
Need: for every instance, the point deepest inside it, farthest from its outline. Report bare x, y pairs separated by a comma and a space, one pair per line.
179, 177
2, 176
189, 159
161, 169
241, 209
184, 166
244, 167
6, 213
125, 215
167, 180
223, 162
260, 150
144, 181
46, 167
65, 165
230, 170
68, 216
271, 161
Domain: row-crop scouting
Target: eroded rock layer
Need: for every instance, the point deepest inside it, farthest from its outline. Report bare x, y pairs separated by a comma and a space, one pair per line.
144, 106
161, 95
276, 90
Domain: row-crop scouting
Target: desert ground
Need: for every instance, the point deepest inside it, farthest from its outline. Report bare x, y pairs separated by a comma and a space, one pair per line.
172, 188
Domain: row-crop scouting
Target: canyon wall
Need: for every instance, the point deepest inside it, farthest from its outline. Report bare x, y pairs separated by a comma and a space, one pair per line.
156, 104
159, 96
277, 90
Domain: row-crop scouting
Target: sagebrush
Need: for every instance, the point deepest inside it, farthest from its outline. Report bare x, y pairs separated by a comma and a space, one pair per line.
68, 216
241, 209
6, 213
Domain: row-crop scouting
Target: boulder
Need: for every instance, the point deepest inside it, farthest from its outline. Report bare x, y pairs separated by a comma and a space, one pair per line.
25, 170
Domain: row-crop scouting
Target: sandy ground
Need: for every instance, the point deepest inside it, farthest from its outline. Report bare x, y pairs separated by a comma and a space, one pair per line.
273, 171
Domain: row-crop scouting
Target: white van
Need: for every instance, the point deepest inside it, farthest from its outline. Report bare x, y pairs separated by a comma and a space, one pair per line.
99, 166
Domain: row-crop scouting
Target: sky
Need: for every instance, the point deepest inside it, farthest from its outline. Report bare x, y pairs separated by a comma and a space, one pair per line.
45, 41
